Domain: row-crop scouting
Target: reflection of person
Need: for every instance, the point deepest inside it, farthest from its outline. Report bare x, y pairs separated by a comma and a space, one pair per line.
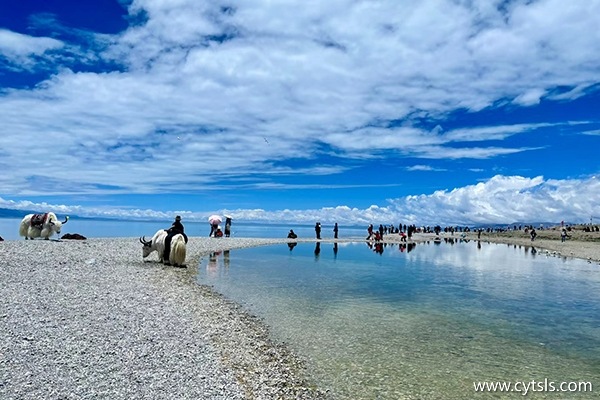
335, 249
213, 263
291, 245
292, 235
335, 231
176, 228
317, 249
226, 261
318, 230
227, 226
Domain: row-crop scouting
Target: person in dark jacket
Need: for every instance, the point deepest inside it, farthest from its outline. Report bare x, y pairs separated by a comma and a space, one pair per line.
227, 226
176, 228
318, 230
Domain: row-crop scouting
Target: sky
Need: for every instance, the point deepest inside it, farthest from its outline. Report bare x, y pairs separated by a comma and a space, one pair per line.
352, 111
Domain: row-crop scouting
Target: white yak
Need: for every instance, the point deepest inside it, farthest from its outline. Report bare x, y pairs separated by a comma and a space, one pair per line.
40, 225
157, 243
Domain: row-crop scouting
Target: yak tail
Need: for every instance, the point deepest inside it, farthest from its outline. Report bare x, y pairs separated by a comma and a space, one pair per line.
178, 251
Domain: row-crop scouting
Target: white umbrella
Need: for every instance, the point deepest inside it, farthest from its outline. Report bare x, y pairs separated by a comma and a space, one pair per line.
214, 219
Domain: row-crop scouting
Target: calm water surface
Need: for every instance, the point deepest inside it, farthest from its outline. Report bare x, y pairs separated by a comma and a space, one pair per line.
91, 228
424, 323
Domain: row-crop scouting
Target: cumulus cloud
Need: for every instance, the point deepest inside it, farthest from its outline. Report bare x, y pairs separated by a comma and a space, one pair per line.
498, 200
208, 94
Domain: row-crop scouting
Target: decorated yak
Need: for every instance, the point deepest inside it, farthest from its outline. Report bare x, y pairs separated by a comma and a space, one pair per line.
40, 225
177, 249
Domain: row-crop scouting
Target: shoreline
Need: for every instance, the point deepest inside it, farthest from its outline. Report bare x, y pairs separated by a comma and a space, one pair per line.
581, 245
92, 319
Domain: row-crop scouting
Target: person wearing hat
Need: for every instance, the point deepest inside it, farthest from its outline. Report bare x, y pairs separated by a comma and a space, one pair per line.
176, 228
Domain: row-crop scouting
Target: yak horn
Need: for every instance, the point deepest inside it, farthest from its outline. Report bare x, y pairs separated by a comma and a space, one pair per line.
144, 241
66, 219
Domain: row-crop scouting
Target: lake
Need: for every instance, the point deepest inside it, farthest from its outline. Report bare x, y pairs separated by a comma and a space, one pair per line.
92, 228
425, 323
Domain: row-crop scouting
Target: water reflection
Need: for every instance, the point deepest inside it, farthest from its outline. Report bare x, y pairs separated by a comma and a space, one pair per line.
212, 265
425, 324
226, 260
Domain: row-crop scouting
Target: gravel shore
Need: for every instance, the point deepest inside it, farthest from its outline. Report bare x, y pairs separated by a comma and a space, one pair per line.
91, 320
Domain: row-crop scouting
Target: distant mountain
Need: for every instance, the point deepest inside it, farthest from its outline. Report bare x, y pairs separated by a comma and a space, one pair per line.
9, 213
538, 224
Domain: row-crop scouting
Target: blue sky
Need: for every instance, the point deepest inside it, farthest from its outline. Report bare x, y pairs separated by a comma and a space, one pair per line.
429, 111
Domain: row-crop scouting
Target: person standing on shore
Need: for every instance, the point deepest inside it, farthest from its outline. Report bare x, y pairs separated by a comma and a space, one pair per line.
533, 234
318, 230
227, 225
335, 231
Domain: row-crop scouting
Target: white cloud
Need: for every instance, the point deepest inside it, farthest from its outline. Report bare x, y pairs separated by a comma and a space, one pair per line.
498, 132
499, 200
530, 97
22, 50
423, 168
202, 85
592, 133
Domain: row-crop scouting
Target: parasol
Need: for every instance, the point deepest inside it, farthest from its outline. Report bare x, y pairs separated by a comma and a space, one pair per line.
214, 220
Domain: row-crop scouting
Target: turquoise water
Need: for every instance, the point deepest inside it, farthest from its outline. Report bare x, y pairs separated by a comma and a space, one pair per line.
424, 323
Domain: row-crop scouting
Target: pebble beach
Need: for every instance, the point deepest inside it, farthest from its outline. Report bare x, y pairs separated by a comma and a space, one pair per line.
91, 319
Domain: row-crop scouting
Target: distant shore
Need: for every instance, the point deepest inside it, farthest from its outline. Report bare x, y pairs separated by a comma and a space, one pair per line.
579, 244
